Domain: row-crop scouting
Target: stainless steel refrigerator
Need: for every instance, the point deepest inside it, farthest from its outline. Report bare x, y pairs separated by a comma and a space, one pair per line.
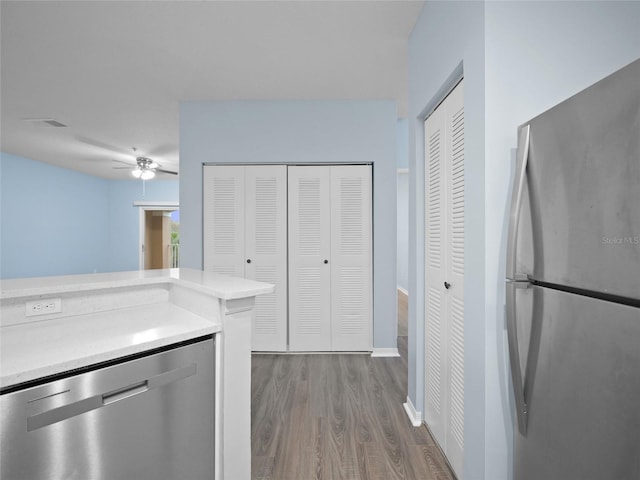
573, 286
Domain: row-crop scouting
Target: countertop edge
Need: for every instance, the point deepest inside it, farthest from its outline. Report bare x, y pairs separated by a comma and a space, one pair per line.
220, 286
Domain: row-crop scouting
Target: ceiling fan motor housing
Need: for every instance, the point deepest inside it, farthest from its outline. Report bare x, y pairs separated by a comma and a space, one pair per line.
145, 163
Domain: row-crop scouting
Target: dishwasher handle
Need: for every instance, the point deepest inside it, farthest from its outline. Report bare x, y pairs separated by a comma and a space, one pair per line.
85, 405
125, 392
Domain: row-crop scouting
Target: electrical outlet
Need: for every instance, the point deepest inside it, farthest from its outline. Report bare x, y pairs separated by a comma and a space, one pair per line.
46, 306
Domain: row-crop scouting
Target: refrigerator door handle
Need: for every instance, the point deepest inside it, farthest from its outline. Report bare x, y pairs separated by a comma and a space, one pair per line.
514, 355
522, 158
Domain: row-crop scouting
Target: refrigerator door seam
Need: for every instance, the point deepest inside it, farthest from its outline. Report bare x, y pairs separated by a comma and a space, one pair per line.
608, 297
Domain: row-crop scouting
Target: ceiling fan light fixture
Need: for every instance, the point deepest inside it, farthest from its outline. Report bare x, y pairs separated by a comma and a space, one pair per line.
144, 168
147, 174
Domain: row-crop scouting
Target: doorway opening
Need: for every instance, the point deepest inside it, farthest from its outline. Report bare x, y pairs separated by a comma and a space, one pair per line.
159, 237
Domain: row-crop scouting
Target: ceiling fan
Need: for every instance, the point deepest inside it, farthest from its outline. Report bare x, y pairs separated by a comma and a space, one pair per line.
144, 168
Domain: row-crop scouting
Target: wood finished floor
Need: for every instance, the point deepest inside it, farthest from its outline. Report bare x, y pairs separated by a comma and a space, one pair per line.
337, 417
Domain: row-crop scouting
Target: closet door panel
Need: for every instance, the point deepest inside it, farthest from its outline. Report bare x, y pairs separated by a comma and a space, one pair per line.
455, 275
223, 220
351, 275
436, 305
266, 252
444, 316
309, 254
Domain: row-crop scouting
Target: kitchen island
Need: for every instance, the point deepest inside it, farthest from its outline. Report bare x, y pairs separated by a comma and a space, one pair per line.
53, 325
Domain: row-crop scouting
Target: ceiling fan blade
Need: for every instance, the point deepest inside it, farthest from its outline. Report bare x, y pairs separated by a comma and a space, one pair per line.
97, 143
166, 171
122, 168
163, 150
126, 163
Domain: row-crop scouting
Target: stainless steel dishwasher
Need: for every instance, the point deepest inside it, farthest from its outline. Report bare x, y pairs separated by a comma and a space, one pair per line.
149, 416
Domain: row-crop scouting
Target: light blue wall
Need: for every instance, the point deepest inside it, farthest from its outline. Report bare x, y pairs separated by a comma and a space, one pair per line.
536, 54
402, 148
449, 37
402, 162
297, 132
53, 220
57, 221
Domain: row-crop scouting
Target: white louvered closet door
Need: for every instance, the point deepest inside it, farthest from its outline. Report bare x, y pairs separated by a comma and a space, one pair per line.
351, 275
455, 277
223, 220
266, 252
444, 327
309, 200
436, 307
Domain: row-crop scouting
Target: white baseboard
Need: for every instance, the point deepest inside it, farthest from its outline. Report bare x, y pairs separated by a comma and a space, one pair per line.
385, 352
414, 417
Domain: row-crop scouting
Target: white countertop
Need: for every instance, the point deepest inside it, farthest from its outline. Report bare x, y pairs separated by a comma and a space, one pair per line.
220, 286
40, 346
34, 350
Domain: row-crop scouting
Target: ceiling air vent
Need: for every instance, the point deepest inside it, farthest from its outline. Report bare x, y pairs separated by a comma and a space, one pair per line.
54, 123
45, 122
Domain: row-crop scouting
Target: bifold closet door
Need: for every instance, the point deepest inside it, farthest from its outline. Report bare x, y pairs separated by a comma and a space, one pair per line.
330, 274
444, 276
309, 255
266, 252
351, 272
245, 235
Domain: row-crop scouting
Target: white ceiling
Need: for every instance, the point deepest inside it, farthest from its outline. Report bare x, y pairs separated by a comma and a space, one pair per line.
114, 72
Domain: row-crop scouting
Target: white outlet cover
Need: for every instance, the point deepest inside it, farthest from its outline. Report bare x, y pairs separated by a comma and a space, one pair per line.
45, 306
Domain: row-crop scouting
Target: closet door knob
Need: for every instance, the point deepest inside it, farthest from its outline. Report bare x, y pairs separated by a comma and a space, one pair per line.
248, 260
447, 285
326, 261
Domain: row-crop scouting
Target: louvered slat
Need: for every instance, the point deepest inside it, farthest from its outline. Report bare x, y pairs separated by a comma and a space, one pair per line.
266, 307
434, 201
457, 192
225, 270
352, 301
434, 350
223, 219
309, 207
266, 214
351, 216
456, 371
309, 300
224, 239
